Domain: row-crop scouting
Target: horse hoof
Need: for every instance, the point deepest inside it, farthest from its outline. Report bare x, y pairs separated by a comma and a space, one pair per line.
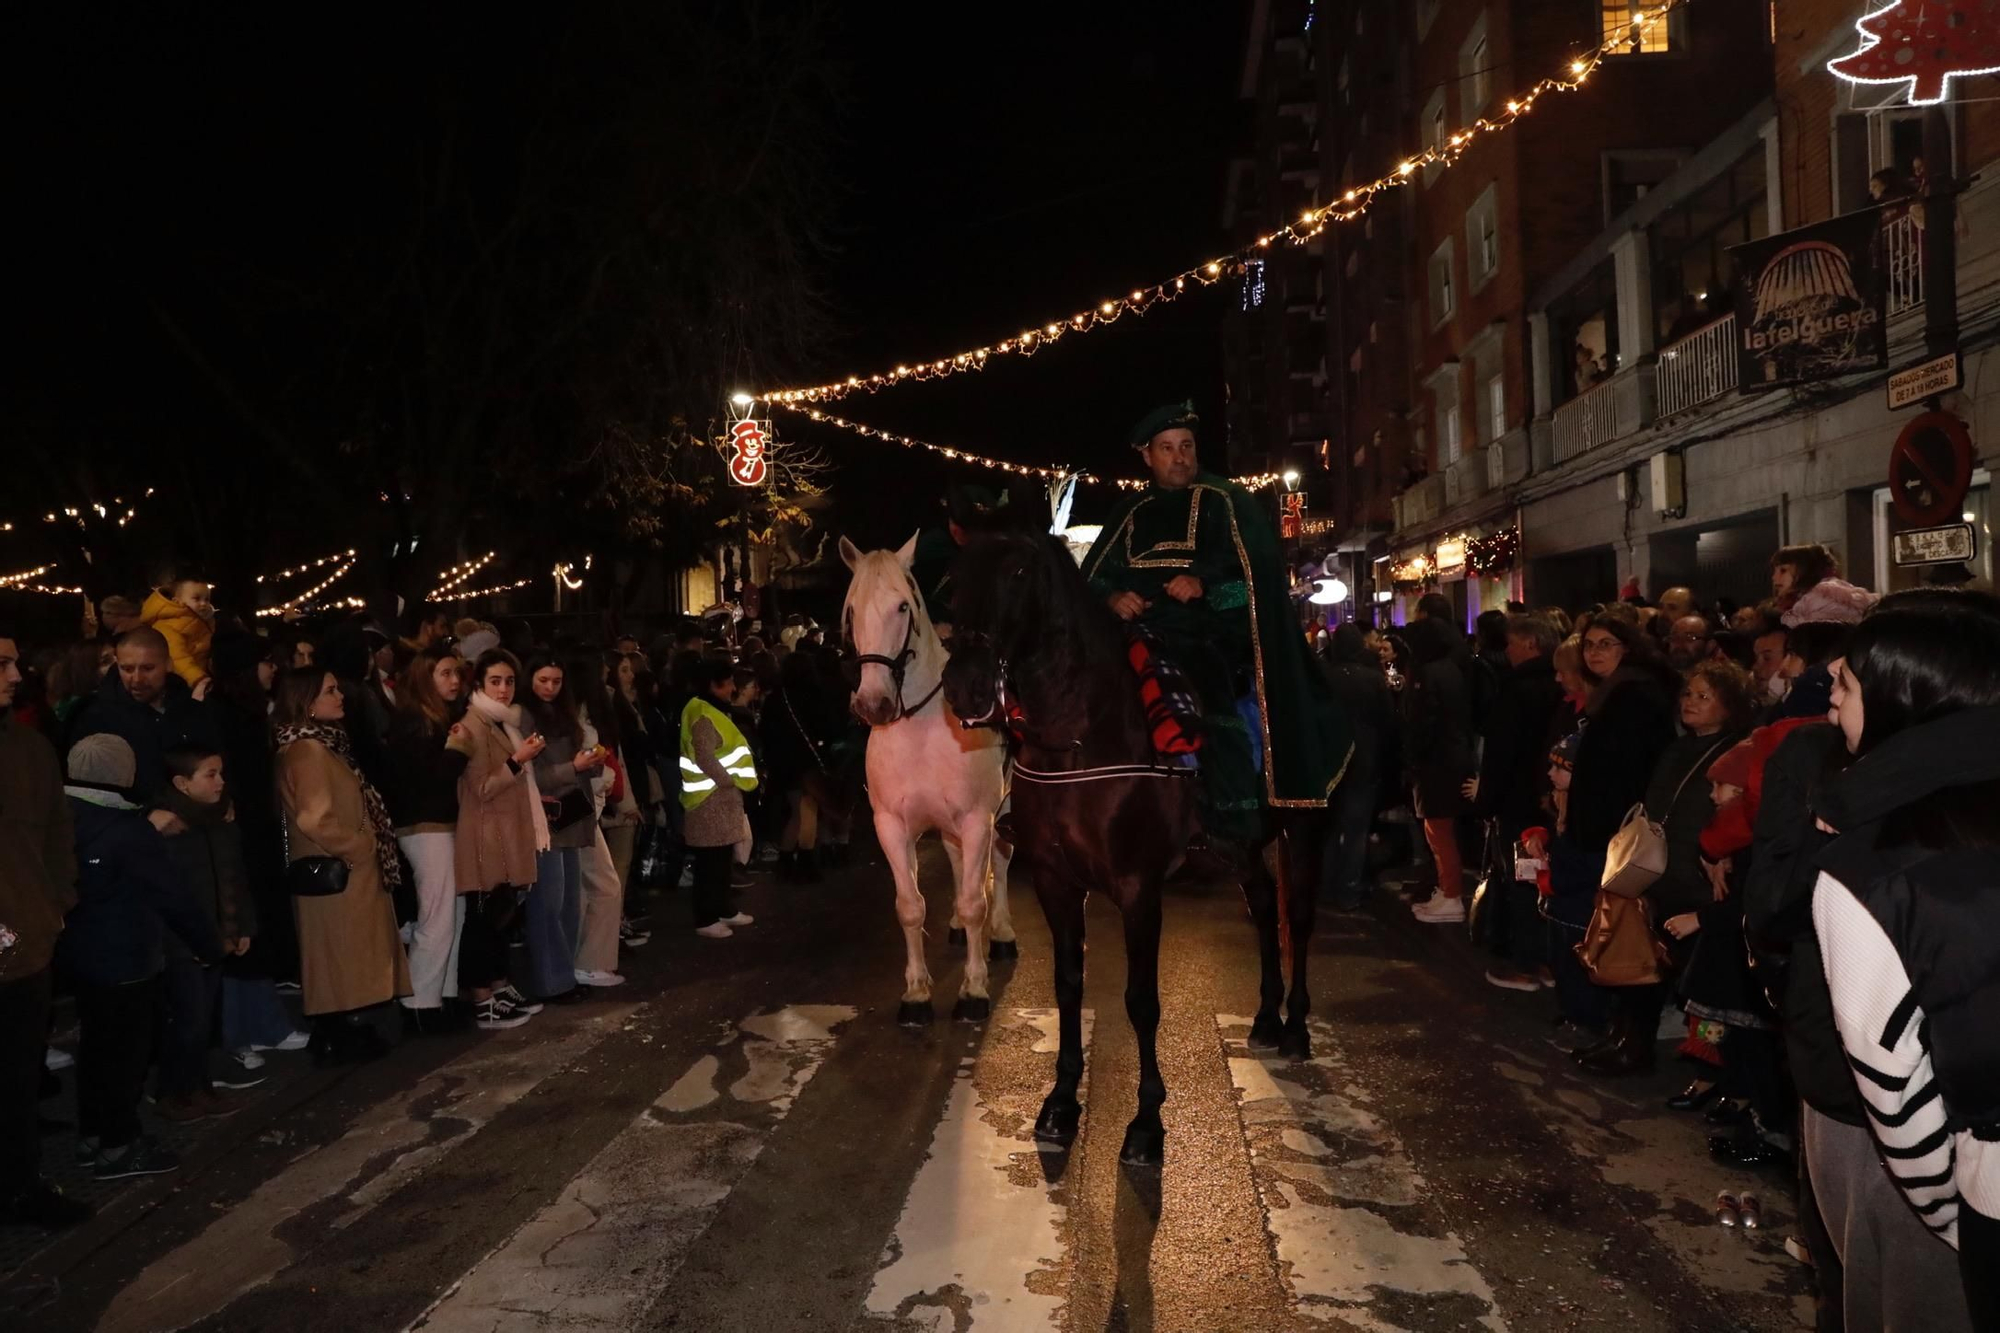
956, 936
1001, 951
914, 1014
1145, 1146
972, 1009
1058, 1121
1265, 1034
1296, 1044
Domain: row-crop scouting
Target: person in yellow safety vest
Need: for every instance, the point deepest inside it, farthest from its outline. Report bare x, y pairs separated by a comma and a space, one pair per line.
716, 769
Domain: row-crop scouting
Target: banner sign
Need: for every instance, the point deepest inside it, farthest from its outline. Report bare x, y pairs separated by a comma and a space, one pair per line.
1940, 374
1809, 303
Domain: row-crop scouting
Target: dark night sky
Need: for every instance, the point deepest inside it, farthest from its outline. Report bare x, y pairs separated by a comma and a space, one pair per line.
1011, 173
1003, 166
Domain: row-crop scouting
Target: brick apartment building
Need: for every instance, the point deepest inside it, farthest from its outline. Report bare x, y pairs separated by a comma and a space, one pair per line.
1538, 337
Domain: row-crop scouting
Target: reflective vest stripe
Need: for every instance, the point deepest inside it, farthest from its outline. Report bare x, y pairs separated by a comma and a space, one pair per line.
735, 759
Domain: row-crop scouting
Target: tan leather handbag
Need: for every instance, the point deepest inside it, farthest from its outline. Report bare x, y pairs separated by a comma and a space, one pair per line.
1637, 855
1618, 947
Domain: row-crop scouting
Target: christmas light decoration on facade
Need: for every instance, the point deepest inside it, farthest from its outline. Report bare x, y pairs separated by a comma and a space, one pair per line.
1924, 43
1311, 222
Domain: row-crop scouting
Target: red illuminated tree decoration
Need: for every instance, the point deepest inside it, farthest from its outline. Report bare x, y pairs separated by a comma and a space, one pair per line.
1925, 43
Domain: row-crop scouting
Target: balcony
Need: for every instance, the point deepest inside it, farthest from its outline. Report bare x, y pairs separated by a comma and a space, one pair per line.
1697, 368
1903, 257
1421, 503
1607, 412
1465, 479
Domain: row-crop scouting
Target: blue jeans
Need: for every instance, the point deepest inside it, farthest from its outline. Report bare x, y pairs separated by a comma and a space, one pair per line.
252, 1013
1344, 856
554, 920
1574, 875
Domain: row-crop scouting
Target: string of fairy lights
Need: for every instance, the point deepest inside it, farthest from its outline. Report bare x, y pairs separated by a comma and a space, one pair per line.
1253, 482
1352, 204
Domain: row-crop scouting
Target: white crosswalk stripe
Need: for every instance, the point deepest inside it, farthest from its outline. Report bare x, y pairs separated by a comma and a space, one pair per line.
386, 1148
979, 1243
1335, 1182
601, 1252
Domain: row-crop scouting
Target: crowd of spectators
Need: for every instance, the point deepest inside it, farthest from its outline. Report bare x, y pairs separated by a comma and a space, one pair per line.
1818, 934
206, 830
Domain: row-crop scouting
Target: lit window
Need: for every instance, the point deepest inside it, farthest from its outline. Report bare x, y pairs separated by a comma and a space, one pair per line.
1448, 436
1625, 36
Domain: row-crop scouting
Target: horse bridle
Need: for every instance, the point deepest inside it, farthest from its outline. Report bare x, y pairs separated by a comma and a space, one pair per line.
897, 665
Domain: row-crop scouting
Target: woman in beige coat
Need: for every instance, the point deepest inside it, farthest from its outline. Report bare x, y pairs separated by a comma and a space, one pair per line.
350, 956
500, 829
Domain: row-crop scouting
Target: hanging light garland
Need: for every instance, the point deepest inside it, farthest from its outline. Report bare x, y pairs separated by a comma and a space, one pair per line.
25, 582
456, 576
1254, 482
494, 591
300, 602
25, 577
308, 567
1311, 222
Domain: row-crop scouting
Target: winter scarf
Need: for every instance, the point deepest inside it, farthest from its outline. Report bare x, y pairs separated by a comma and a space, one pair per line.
335, 739
507, 717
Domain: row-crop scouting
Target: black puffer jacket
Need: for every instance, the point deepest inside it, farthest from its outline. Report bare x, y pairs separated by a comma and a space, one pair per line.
1631, 723
1938, 905
1777, 917
1514, 770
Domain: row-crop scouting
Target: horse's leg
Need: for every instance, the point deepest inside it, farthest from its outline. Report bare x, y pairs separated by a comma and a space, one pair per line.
1146, 1136
1261, 893
974, 838
1062, 904
1300, 847
956, 935
1000, 922
901, 850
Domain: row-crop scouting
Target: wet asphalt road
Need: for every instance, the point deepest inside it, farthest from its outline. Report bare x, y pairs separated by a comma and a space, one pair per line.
743, 1139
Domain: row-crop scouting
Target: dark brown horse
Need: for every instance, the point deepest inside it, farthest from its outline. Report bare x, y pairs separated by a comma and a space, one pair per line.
1095, 810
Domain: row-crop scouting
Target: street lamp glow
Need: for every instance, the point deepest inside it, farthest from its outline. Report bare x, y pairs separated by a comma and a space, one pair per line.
1291, 476
741, 399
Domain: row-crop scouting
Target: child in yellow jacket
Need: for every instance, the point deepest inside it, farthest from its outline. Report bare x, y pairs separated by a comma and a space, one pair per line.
184, 613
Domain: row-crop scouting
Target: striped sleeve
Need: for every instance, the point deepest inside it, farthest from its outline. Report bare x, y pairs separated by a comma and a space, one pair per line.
1886, 1040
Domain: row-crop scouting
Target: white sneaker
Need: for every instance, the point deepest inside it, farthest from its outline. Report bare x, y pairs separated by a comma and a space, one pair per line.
714, 930
247, 1058
53, 1059
1438, 909
740, 919
296, 1042
586, 977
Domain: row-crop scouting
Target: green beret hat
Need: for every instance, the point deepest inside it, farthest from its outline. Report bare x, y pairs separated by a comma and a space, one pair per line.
1168, 417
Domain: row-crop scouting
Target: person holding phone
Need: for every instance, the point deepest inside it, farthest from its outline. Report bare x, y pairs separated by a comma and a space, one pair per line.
500, 830
569, 758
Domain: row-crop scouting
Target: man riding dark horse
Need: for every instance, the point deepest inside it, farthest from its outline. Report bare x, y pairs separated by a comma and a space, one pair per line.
968, 509
1195, 561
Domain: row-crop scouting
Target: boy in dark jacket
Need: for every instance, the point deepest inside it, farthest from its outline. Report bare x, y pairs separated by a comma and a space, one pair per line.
208, 851
129, 892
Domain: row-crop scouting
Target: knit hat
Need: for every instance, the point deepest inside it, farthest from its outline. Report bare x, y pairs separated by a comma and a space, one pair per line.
124, 608
1733, 768
1563, 754
476, 643
103, 760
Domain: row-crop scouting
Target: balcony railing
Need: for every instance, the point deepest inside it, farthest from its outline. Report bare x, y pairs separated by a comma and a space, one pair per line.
1903, 251
1697, 368
1602, 414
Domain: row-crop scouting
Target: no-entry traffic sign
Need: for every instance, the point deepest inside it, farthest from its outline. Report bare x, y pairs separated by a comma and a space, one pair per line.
1930, 468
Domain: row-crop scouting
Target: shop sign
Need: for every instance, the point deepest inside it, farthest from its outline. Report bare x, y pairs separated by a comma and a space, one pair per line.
1451, 557
1930, 468
1938, 375
1952, 543
1809, 303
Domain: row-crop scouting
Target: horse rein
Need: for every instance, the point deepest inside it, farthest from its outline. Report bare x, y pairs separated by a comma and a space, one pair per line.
1012, 719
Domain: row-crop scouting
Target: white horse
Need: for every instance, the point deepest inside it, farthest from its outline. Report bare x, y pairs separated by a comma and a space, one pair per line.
926, 772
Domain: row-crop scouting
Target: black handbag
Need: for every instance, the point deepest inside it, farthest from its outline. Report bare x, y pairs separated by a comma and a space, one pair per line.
573, 808
312, 876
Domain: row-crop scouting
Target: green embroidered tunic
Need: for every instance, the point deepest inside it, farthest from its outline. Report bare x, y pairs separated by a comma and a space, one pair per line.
1236, 639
